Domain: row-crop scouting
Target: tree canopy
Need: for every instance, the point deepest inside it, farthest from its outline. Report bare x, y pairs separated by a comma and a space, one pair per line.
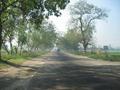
26, 11
83, 18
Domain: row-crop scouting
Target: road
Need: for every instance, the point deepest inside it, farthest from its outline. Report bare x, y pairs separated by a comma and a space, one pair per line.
59, 71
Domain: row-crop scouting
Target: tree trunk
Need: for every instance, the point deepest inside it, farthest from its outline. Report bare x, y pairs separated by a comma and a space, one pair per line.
16, 49
6, 48
11, 47
0, 37
21, 50
85, 47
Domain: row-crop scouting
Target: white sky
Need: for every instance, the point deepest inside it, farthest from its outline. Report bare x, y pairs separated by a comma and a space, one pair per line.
107, 31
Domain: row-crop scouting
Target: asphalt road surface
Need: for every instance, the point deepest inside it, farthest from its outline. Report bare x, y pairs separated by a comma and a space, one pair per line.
59, 71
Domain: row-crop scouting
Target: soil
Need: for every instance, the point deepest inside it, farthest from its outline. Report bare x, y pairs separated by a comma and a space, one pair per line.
61, 71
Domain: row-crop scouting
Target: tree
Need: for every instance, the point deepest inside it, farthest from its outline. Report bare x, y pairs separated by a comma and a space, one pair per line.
9, 32
32, 10
20, 34
84, 16
42, 37
70, 40
22, 38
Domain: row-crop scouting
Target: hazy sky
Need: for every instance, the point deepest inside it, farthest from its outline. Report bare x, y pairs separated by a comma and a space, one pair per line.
107, 31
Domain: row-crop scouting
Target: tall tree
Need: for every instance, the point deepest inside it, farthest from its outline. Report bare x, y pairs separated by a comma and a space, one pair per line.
70, 40
9, 32
34, 10
84, 16
43, 37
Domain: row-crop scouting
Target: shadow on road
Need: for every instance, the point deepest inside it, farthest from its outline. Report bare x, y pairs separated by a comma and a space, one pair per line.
70, 76
64, 74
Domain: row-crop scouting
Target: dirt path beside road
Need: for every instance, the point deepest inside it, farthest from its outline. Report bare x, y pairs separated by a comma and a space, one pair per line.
59, 71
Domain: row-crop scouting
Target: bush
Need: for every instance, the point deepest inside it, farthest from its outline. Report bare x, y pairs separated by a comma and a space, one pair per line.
24, 55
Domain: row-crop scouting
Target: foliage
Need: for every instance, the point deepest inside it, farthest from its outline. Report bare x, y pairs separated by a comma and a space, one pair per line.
84, 16
43, 37
70, 40
29, 11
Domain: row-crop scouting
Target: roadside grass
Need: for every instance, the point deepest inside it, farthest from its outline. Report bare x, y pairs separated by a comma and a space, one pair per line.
19, 59
3, 65
109, 56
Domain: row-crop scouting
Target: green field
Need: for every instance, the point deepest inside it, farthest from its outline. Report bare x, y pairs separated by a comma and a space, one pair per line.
110, 56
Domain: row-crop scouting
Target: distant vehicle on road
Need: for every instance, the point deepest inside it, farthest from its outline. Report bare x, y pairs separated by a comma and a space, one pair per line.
58, 50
